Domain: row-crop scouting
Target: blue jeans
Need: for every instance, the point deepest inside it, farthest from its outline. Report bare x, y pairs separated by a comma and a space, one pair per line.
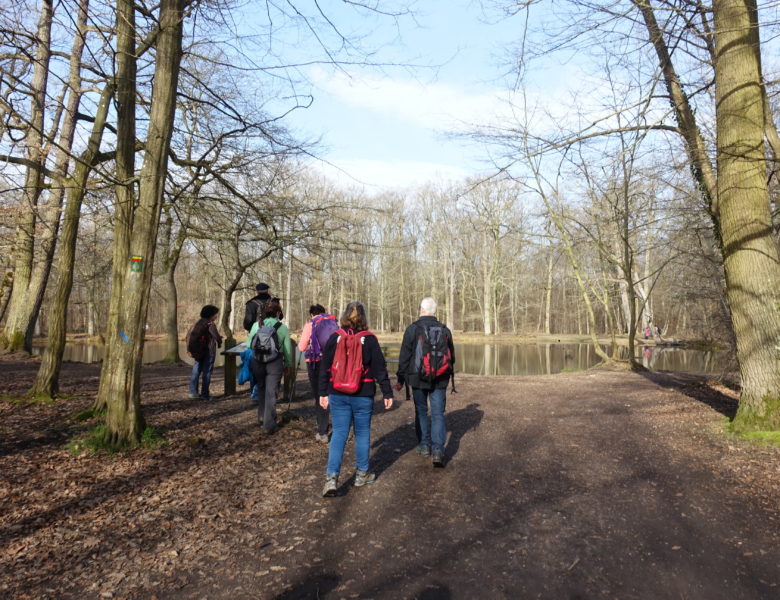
432, 431
346, 411
202, 367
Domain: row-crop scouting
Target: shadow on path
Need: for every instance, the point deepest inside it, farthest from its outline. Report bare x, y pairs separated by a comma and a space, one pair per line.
317, 585
695, 386
394, 444
459, 423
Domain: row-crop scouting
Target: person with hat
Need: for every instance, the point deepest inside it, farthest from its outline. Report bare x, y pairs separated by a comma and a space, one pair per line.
254, 305
203, 339
254, 309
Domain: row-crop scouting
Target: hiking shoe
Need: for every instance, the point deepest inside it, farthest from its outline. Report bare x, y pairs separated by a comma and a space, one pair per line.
193, 396
205, 397
438, 459
274, 428
331, 485
423, 450
322, 437
363, 478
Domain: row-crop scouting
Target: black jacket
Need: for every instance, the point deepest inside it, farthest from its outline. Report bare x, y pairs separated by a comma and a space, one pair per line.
373, 362
250, 313
407, 370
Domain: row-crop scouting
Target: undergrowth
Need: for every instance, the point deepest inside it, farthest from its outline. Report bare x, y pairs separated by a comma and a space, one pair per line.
95, 441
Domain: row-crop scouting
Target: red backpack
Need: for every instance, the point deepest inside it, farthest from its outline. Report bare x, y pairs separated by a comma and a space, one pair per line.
347, 373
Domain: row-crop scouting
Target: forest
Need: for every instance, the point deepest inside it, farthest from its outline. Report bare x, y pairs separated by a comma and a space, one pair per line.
148, 169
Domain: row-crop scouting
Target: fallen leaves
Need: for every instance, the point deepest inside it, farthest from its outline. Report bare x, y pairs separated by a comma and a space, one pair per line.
123, 525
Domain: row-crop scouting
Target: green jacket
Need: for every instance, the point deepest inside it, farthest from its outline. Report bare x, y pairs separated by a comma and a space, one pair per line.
285, 347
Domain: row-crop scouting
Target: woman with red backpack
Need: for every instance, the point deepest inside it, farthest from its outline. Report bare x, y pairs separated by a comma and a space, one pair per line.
314, 336
352, 365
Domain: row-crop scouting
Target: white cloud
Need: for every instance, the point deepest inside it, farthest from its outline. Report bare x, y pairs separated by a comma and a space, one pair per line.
376, 175
436, 106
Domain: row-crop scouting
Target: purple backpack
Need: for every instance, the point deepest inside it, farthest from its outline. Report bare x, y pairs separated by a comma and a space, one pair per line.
322, 327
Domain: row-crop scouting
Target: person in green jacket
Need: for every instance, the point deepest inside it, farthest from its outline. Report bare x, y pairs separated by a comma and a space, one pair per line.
269, 364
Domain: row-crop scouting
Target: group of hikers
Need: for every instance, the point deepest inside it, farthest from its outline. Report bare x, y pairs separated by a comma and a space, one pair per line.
345, 364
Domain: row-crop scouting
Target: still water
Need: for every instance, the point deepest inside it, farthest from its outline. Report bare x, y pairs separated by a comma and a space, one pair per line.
494, 359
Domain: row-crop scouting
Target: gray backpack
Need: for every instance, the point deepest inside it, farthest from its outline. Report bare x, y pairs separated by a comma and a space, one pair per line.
265, 344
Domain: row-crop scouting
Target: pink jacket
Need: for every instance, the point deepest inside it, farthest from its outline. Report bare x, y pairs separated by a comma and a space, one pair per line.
303, 343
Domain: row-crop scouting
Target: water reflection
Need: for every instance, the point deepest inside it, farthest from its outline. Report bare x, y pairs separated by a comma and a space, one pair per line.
491, 359
672, 358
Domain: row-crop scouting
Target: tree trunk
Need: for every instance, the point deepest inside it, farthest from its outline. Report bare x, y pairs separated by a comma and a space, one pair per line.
120, 382
548, 296
171, 316
750, 254
5, 293
42, 270
123, 209
227, 308
288, 289
18, 323
173, 247
47, 379
451, 293
487, 284
684, 114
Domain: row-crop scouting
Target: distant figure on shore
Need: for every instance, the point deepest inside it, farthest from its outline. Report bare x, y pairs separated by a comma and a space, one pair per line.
203, 339
315, 335
426, 363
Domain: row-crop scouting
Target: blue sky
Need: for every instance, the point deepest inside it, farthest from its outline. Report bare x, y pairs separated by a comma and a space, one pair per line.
387, 127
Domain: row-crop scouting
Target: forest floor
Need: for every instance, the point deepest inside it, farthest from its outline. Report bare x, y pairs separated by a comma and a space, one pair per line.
597, 484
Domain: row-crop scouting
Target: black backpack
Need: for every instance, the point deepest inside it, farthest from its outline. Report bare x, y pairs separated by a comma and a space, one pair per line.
432, 357
198, 339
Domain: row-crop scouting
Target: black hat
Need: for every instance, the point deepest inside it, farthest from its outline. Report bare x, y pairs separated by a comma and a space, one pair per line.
208, 311
262, 287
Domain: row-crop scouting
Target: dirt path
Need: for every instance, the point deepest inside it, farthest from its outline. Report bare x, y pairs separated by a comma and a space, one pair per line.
582, 485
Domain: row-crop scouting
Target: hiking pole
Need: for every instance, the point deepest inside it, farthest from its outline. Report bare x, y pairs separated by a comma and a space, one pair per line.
293, 379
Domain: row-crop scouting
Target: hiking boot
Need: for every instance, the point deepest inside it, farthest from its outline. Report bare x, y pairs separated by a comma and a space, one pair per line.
423, 450
363, 478
331, 485
438, 458
193, 396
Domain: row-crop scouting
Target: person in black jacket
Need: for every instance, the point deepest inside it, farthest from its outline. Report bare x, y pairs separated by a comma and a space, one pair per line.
431, 432
204, 363
357, 408
253, 312
252, 306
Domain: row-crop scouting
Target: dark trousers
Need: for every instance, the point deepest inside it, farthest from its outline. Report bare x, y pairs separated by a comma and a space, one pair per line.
320, 413
267, 377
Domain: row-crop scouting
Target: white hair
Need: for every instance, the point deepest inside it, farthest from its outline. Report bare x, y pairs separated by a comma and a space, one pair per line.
428, 306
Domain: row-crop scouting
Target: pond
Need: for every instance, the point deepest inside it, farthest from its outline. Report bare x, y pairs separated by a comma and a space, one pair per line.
493, 359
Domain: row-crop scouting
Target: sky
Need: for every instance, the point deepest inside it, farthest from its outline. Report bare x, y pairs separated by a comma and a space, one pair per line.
391, 127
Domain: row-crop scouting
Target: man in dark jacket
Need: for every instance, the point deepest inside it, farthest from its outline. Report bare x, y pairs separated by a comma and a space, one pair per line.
426, 364
252, 307
253, 310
